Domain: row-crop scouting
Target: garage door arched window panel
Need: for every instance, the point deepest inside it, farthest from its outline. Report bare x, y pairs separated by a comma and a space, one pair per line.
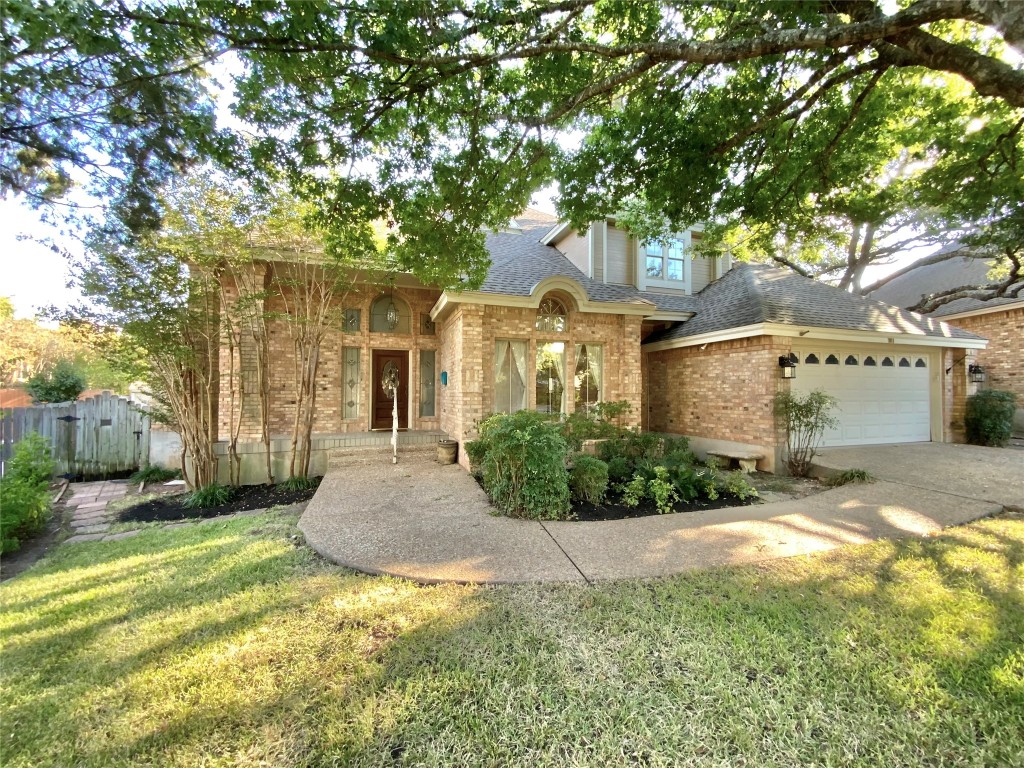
869, 361
550, 377
390, 314
811, 359
851, 360
887, 362
920, 363
831, 360
552, 315
587, 387
904, 363
510, 376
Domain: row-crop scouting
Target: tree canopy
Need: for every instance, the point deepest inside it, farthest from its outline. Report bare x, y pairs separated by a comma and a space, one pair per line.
779, 118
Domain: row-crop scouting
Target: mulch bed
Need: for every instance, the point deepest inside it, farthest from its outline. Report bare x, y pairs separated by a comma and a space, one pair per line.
245, 498
586, 512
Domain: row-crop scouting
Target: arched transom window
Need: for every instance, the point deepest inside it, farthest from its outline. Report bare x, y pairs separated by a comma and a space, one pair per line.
552, 315
389, 314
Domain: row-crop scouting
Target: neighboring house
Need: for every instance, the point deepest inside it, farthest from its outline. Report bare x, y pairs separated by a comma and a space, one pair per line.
1001, 321
566, 319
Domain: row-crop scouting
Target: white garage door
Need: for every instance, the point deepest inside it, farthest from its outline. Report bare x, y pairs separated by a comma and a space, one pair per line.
884, 397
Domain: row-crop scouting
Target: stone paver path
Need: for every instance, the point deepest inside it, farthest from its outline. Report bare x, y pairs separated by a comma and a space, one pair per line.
87, 502
91, 520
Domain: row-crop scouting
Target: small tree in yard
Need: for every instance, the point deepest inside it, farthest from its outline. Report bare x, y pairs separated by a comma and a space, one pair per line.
61, 384
805, 418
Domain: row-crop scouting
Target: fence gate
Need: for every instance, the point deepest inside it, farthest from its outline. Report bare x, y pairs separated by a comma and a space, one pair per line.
95, 437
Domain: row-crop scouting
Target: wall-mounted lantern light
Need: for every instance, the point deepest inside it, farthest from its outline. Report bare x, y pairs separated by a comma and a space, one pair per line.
787, 364
977, 374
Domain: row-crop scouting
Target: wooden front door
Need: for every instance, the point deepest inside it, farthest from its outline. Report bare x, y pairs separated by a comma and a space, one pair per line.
382, 403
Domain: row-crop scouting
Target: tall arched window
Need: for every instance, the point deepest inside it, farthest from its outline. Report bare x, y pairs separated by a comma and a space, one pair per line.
552, 316
390, 314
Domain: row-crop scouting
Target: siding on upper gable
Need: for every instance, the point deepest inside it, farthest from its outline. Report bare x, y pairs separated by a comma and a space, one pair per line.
597, 235
702, 272
576, 248
620, 257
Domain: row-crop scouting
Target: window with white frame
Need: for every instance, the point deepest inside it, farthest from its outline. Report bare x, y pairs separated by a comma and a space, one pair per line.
550, 384
587, 378
510, 376
665, 260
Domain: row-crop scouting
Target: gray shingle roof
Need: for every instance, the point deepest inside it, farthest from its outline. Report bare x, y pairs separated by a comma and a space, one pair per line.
756, 293
519, 261
907, 290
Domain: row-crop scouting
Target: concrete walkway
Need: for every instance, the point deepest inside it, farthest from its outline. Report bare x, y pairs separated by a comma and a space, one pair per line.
431, 523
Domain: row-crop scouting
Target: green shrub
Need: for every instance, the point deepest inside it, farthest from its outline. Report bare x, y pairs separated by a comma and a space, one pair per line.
735, 484
24, 510
848, 476
989, 417
661, 491
24, 494
59, 385
805, 419
154, 474
299, 483
658, 489
524, 466
588, 479
212, 495
601, 422
619, 470
32, 460
476, 450
633, 445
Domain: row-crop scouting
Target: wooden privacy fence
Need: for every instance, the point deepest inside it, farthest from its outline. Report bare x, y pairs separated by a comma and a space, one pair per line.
95, 437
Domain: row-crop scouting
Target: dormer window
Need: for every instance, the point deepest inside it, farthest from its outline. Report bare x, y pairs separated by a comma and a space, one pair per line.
665, 260
552, 316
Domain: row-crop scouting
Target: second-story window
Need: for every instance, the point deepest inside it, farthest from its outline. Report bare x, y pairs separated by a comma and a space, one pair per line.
664, 260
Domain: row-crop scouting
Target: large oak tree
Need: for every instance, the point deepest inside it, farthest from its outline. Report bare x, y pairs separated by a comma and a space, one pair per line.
780, 117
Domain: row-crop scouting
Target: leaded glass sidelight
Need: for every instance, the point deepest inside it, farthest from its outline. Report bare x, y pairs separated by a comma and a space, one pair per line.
552, 316
427, 378
510, 376
550, 380
587, 378
351, 384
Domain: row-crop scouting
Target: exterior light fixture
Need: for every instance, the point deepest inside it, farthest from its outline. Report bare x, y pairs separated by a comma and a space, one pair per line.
787, 363
391, 315
977, 374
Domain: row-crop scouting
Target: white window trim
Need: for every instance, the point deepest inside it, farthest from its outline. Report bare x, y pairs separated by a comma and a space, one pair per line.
647, 282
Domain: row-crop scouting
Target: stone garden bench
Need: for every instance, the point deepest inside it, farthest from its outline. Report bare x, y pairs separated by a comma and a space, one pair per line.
747, 461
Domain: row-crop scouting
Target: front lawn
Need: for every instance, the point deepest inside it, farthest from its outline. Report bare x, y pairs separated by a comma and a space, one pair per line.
230, 644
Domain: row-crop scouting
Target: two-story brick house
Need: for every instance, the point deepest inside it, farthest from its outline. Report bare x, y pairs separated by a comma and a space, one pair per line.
566, 319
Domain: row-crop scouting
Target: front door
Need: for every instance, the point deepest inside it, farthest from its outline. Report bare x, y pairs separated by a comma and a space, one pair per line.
385, 363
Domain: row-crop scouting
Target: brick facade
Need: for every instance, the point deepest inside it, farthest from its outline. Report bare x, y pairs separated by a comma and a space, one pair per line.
1003, 360
239, 381
722, 391
468, 339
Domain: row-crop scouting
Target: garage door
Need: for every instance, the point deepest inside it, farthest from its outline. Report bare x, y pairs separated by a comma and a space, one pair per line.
884, 397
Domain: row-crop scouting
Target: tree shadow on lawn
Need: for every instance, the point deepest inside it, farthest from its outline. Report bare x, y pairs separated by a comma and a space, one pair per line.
882, 654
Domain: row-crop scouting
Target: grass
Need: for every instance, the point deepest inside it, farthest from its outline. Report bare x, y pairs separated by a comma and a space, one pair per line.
848, 476
231, 644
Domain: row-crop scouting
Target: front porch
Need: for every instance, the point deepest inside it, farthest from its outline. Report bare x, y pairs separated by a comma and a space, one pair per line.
329, 451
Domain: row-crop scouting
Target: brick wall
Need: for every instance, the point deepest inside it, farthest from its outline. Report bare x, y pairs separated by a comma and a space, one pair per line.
468, 339
1003, 361
721, 392
238, 378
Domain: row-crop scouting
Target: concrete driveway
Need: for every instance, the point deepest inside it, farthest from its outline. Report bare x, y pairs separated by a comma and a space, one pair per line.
431, 523
968, 471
